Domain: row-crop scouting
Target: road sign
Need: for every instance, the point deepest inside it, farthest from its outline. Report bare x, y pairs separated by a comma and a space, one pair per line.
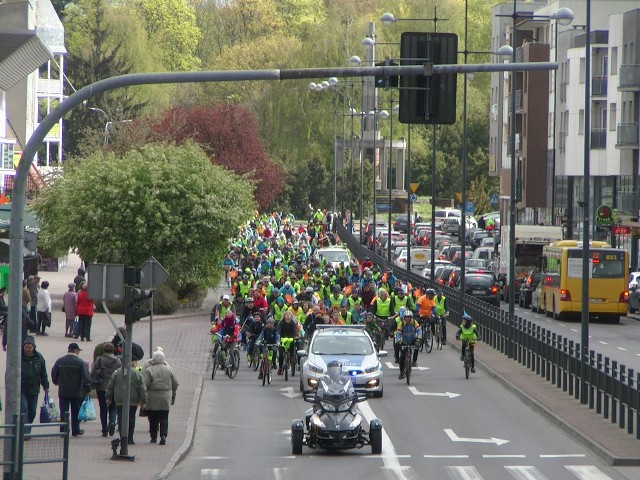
413, 197
470, 207
414, 186
153, 274
106, 281
493, 199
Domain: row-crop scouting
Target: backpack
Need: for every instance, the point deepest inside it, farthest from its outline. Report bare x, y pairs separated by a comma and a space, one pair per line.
96, 377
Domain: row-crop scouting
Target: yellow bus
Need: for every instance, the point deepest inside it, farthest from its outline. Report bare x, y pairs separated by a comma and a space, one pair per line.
561, 291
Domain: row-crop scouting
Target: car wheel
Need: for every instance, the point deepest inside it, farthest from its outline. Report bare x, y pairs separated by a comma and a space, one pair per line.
375, 438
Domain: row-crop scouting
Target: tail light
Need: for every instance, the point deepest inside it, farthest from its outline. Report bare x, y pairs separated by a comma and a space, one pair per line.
624, 297
494, 289
529, 281
565, 295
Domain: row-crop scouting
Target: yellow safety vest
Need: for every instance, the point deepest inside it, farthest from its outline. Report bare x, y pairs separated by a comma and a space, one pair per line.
383, 309
439, 304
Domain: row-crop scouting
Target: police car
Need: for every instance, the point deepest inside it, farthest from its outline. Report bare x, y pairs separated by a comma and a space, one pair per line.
352, 347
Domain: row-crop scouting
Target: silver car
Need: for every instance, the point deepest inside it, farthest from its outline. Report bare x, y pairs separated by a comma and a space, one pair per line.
352, 347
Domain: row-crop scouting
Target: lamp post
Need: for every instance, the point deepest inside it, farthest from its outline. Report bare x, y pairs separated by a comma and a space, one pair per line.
105, 139
564, 16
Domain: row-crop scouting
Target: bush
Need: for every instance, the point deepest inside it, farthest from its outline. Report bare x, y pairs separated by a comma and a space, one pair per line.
165, 300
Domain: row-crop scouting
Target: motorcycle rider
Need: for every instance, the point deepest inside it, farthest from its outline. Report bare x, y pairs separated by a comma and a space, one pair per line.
409, 333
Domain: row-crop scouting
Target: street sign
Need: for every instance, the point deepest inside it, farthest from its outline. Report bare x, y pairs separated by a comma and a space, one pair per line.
153, 274
106, 281
493, 199
382, 207
414, 186
413, 197
470, 207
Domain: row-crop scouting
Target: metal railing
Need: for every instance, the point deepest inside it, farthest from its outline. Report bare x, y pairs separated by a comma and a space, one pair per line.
612, 390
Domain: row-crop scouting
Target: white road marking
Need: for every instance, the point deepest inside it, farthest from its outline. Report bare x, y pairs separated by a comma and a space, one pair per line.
379, 457
289, 393
525, 472
505, 456
211, 458
391, 464
454, 438
211, 473
587, 472
622, 348
603, 343
282, 473
565, 455
415, 391
446, 456
574, 329
464, 473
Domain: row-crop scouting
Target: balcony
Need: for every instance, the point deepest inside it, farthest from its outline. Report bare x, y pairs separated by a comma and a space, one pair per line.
599, 86
598, 138
563, 91
629, 78
628, 135
49, 88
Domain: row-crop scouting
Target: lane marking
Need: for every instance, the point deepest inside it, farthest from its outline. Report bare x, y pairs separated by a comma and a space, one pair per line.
564, 455
514, 455
211, 458
211, 473
587, 472
464, 473
282, 473
379, 456
389, 456
446, 456
415, 391
574, 330
454, 438
622, 348
525, 472
603, 343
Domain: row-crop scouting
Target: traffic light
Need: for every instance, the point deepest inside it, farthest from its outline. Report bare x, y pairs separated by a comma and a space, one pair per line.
428, 100
133, 304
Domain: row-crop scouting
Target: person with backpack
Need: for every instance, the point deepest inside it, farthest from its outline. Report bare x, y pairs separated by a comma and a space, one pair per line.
101, 371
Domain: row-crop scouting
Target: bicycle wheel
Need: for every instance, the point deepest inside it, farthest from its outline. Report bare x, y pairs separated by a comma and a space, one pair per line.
268, 374
256, 359
235, 363
438, 337
293, 365
467, 363
264, 369
407, 365
214, 367
285, 365
428, 339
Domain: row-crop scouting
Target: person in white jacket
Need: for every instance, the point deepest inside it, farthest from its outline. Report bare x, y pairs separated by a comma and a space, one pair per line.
43, 313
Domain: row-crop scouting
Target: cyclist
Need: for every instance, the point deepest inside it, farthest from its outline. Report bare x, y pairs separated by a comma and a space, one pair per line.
468, 331
253, 329
229, 331
409, 333
287, 328
425, 306
220, 309
268, 336
440, 309
372, 327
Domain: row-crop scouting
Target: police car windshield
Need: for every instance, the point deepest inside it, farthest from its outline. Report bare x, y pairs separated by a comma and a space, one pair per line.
347, 345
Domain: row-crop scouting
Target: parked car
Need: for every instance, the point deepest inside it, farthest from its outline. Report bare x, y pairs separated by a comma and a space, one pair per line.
482, 286
527, 287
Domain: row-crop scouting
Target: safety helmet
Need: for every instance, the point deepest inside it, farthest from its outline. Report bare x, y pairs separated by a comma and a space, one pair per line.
407, 313
334, 369
466, 318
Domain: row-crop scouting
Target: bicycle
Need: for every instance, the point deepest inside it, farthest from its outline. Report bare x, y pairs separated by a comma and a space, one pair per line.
217, 356
468, 360
438, 330
253, 360
232, 364
266, 362
384, 324
427, 335
288, 360
407, 351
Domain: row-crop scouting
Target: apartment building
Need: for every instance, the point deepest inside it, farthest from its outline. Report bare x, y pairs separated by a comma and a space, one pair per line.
551, 112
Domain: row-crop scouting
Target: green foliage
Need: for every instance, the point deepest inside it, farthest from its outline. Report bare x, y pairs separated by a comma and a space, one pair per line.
165, 201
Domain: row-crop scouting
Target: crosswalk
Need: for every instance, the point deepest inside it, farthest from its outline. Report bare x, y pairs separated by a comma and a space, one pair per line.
455, 472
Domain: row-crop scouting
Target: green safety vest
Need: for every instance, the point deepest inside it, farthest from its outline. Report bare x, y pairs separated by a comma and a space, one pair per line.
347, 319
279, 311
336, 302
468, 333
244, 288
352, 302
277, 272
298, 315
439, 304
400, 302
383, 309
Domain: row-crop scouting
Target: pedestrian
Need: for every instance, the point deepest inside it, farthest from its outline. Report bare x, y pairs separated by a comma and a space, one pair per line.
34, 286
24, 320
482, 223
34, 376
71, 375
137, 396
69, 304
101, 371
161, 386
79, 279
26, 306
43, 307
84, 310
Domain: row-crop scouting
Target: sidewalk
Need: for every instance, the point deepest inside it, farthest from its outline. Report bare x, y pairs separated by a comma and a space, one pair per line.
90, 455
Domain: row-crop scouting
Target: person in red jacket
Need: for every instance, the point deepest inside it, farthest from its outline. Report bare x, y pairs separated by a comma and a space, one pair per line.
84, 310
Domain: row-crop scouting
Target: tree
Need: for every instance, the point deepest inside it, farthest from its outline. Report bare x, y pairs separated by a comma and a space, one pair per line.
227, 133
161, 200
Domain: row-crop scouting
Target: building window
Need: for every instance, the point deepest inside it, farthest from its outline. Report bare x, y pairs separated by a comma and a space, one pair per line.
612, 117
614, 61
583, 69
581, 122
6, 156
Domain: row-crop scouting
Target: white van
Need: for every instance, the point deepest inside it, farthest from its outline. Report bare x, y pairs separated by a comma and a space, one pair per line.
443, 213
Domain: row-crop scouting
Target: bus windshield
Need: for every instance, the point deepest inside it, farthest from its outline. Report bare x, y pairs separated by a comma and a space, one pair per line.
603, 264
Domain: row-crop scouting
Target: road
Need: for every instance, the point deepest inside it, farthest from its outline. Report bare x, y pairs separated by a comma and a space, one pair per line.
443, 426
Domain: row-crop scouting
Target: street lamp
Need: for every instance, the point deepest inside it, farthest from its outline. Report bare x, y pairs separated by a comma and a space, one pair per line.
106, 125
563, 16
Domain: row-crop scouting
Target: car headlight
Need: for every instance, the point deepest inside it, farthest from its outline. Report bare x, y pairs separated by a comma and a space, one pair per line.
373, 368
314, 368
315, 420
357, 420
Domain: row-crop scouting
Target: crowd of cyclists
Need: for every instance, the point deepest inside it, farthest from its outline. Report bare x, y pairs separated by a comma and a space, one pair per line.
281, 290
